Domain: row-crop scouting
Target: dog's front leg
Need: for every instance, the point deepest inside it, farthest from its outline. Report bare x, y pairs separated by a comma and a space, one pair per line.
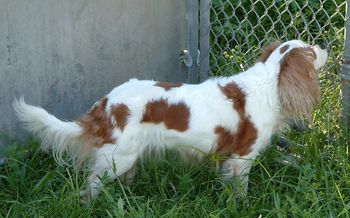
236, 171
128, 177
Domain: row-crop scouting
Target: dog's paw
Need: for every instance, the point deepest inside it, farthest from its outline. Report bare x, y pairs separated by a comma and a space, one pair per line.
85, 197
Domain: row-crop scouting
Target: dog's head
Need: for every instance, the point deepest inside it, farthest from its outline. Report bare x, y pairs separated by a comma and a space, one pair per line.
298, 85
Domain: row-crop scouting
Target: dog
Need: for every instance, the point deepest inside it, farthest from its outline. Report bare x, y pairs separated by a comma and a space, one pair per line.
233, 117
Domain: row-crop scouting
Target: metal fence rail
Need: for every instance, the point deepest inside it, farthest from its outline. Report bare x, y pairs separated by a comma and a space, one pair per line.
240, 28
346, 71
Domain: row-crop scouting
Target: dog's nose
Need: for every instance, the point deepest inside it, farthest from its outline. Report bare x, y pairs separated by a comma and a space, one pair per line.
324, 46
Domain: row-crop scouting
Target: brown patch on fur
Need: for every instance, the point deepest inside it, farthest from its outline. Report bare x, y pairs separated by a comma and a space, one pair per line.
267, 51
240, 142
284, 49
97, 125
233, 92
225, 138
174, 116
120, 113
167, 86
298, 85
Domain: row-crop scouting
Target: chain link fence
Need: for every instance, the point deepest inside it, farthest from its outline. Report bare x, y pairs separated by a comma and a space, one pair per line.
239, 29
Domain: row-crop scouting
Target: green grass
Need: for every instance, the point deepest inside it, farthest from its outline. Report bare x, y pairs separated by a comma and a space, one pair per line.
312, 180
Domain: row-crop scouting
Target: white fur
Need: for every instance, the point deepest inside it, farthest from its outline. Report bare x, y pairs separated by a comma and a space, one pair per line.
58, 135
209, 108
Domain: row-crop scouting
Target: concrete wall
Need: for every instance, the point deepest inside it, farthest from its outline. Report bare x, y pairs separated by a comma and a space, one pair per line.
64, 55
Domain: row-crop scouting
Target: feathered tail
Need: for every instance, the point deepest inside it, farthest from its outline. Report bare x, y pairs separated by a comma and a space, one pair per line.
60, 136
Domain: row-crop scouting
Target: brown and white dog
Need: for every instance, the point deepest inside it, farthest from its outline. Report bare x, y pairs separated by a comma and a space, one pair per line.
232, 116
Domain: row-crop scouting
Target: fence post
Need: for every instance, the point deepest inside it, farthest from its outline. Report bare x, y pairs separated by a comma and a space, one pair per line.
192, 40
204, 45
346, 71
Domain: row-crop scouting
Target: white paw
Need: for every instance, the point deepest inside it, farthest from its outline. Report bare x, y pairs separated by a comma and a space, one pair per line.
85, 196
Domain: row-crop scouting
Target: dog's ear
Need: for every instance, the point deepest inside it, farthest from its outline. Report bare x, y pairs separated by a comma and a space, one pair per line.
266, 52
298, 85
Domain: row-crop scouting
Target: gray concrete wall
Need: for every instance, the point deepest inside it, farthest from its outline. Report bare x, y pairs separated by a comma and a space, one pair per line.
65, 54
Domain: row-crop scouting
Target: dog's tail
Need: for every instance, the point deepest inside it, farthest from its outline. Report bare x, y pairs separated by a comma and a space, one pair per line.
60, 136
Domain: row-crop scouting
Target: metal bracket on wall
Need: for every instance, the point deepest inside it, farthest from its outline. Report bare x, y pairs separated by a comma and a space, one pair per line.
197, 39
192, 40
187, 59
198, 61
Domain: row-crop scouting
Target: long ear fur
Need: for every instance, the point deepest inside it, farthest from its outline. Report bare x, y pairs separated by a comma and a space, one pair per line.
298, 84
266, 52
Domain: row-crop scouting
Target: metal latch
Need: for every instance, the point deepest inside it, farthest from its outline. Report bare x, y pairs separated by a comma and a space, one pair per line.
187, 59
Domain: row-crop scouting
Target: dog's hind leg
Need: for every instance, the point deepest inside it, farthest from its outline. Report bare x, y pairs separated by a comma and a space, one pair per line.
109, 160
237, 170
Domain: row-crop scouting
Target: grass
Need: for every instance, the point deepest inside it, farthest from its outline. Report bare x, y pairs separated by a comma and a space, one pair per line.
312, 180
